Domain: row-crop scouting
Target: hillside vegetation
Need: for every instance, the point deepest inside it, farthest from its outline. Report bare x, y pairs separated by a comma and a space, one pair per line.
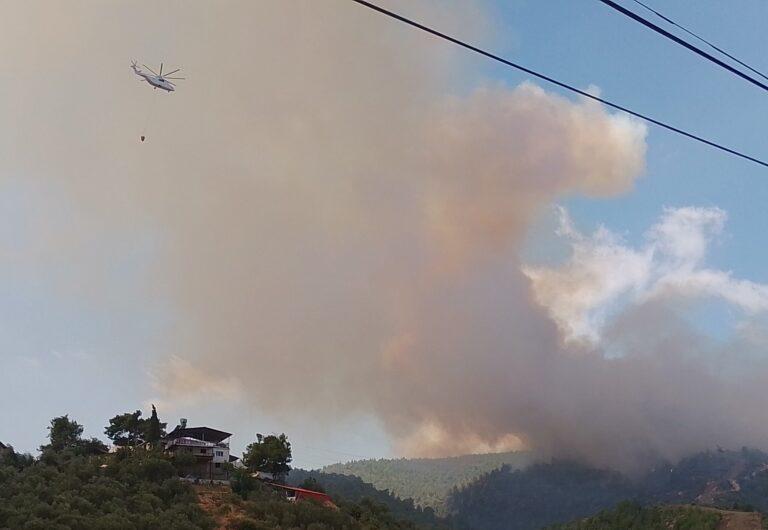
631, 516
67, 489
540, 495
257, 506
354, 489
562, 491
76, 484
428, 481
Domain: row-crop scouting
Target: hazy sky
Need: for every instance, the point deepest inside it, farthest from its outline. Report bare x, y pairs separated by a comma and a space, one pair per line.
298, 153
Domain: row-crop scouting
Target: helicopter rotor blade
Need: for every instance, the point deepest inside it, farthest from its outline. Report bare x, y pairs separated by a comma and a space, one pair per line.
171, 73
177, 78
148, 68
161, 69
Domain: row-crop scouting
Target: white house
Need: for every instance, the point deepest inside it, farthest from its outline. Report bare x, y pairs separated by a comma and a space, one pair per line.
209, 447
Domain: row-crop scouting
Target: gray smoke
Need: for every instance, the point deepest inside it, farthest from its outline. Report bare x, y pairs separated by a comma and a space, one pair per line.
326, 210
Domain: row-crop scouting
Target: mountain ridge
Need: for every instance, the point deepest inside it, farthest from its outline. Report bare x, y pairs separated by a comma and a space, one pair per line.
428, 481
536, 494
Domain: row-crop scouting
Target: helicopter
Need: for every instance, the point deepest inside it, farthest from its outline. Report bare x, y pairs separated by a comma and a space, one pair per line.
157, 80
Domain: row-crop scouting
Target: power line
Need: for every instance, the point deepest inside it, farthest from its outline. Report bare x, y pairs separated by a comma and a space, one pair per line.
702, 39
681, 42
561, 84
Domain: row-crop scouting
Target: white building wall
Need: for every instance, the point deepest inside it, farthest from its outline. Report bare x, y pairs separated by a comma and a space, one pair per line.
220, 454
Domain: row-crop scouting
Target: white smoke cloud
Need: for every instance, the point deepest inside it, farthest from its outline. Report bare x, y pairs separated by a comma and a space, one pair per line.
319, 212
604, 275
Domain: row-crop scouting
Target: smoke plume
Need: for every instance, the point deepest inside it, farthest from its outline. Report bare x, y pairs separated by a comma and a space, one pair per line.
330, 211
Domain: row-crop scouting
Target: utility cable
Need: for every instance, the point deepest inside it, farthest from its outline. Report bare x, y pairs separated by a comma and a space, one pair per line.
702, 39
561, 84
681, 42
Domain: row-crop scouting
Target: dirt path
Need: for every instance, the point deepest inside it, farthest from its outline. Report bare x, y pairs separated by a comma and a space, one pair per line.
740, 521
732, 520
218, 502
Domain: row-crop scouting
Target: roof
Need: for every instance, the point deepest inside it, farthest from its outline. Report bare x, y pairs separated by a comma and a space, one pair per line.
186, 440
304, 493
3, 446
294, 488
200, 433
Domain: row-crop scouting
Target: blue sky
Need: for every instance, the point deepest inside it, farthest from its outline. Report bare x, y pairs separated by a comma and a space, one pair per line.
586, 43
49, 342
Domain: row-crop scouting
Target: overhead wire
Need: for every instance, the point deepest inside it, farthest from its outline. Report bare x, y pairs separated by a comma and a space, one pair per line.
560, 84
658, 29
701, 39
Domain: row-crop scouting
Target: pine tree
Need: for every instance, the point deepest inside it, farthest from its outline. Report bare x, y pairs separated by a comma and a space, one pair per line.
155, 429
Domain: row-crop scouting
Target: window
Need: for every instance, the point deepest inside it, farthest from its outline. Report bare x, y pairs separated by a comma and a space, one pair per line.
217, 464
202, 450
219, 453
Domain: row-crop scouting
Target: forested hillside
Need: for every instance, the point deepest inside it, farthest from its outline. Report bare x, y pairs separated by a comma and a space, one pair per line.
258, 506
725, 479
75, 487
76, 483
540, 495
561, 491
632, 516
428, 481
354, 489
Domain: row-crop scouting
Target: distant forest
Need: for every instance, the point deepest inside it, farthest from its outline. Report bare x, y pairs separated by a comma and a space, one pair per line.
354, 489
76, 483
561, 491
429, 481
632, 516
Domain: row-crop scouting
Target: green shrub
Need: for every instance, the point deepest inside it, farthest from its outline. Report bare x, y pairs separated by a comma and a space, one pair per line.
66, 490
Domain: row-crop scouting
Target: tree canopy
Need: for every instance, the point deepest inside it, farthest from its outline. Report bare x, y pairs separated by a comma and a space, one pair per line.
265, 508
63, 433
66, 435
270, 454
631, 516
76, 484
154, 428
138, 487
130, 429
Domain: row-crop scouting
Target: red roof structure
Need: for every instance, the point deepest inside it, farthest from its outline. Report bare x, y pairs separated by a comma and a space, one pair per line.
301, 493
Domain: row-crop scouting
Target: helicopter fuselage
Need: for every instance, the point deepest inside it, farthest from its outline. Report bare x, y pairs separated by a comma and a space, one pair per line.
158, 82
154, 80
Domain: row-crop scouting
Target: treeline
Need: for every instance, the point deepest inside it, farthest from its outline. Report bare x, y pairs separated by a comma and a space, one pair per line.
428, 481
76, 483
562, 491
632, 516
263, 508
354, 489
540, 495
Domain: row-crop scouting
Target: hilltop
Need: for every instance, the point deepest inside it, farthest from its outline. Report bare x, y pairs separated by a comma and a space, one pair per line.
158, 483
428, 481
